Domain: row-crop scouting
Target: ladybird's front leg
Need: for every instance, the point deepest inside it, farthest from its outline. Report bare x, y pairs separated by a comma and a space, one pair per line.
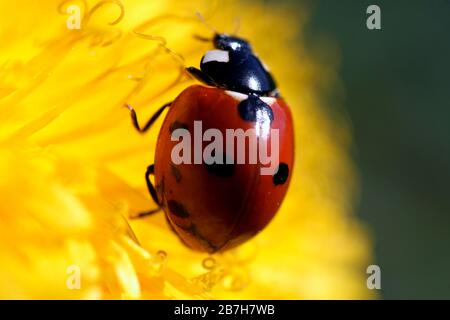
150, 121
200, 76
151, 189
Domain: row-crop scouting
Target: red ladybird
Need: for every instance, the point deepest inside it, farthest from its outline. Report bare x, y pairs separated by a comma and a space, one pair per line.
216, 206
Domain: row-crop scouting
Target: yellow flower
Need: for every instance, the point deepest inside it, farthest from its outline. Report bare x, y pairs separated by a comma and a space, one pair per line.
71, 165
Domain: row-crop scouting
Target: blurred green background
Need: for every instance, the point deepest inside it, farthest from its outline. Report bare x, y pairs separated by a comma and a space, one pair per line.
397, 97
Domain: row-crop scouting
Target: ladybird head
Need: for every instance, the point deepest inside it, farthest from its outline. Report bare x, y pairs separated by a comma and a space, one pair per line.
232, 65
226, 42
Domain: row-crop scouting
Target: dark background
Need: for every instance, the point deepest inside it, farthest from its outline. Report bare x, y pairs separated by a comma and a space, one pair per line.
397, 97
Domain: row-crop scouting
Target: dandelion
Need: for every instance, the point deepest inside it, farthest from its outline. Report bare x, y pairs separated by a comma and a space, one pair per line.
71, 165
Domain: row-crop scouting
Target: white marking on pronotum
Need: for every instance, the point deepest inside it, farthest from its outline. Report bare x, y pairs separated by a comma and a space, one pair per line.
241, 96
216, 55
236, 95
269, 100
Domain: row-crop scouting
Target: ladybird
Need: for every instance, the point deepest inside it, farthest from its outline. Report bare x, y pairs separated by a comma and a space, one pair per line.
215, 206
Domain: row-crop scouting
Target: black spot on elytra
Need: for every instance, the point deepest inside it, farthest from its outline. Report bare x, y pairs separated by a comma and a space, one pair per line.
177, 209
221, 169
175, 172
282, 174
254, 109
177, 125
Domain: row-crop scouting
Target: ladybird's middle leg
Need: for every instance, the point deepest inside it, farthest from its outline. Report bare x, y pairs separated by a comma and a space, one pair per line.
151, 189
150, 121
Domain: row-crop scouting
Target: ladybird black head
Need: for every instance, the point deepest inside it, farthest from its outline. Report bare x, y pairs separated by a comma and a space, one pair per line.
233, 66
231, 43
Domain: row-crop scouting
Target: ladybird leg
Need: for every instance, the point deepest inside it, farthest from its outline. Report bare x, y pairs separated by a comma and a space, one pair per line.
149, 122
151, 189
200, 76
145, 214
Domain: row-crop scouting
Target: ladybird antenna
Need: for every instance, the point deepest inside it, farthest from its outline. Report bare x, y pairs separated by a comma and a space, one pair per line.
237, 26
201, 38
202, 20
163, 44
